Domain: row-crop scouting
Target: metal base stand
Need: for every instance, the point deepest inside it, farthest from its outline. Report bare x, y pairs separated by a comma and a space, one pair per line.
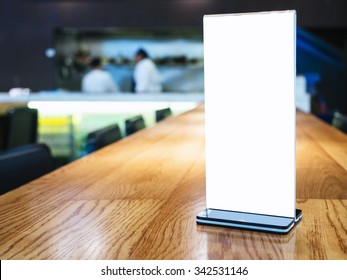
248, 221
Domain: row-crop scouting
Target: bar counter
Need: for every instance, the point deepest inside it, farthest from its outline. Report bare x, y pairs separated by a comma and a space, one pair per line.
138, 199
61, 96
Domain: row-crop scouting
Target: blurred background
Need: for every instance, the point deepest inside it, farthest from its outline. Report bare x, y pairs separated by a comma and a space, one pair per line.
46, 46
43, 42
178, 54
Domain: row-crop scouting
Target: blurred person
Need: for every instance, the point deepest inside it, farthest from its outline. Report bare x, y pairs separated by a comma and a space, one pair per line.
146, 76
98, 80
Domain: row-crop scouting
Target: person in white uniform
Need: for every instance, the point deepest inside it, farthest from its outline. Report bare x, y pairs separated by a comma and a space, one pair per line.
146, 75
98, 80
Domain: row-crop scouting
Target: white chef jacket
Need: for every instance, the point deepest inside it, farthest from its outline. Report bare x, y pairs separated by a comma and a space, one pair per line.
146, 76
98, 80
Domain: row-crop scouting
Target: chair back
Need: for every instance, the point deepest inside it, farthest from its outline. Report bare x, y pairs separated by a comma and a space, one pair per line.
21, 127
340, 122
134, 124
3, 127
102, 137
162, 114
23, 164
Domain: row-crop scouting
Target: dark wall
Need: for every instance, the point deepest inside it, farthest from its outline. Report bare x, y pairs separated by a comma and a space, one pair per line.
26, 26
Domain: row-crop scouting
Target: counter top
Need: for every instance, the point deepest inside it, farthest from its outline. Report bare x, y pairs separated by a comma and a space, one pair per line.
114, 97
138, 199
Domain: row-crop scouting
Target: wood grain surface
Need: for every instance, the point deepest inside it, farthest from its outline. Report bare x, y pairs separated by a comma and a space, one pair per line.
138, 198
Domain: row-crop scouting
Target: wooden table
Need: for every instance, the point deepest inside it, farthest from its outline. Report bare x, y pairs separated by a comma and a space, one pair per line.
138, 198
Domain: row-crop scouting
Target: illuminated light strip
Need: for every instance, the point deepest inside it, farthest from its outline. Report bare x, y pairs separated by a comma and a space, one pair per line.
106, 107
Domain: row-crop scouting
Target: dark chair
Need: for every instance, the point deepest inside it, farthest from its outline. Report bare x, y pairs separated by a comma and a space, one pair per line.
3, 126
340, 122
102, 137
19, 127
23, 164
134, 124
162, 114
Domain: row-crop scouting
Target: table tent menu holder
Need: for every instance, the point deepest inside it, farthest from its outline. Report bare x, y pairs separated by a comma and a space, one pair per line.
250, 68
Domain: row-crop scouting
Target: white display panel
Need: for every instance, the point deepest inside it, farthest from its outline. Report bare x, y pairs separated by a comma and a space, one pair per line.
249, 64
